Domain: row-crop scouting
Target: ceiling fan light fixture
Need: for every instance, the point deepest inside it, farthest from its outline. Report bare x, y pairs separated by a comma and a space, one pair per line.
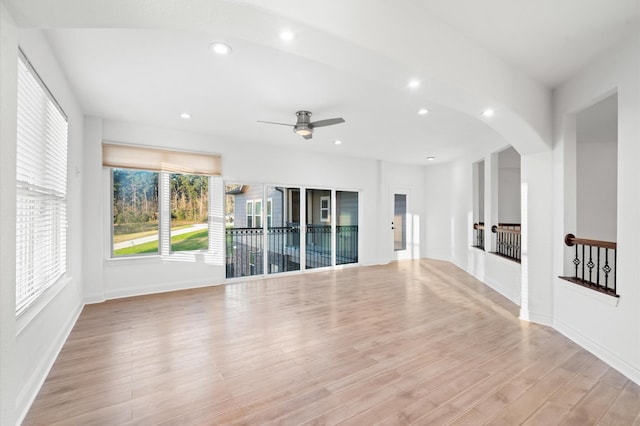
302, 130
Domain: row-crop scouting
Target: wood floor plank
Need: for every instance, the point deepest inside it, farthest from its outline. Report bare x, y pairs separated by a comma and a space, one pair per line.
414, 342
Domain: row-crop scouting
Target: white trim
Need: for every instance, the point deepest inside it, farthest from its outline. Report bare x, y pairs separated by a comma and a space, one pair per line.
632, 372
163, 288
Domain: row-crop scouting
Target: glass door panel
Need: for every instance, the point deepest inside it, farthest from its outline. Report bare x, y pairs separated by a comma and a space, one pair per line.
399, 222
243, 231
318, 224
346, 227
283, 229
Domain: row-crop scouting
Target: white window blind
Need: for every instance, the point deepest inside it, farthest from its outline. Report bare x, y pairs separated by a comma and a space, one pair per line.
41, 195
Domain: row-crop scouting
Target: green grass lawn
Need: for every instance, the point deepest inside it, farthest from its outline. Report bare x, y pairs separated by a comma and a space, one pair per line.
197, 240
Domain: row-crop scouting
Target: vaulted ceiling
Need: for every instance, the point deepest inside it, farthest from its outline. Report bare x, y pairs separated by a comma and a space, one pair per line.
149, 61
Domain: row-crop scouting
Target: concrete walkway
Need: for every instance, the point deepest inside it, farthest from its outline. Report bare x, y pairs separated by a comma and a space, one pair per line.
154, 237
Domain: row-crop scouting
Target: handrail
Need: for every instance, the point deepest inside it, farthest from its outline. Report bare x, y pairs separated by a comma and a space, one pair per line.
509, 224
495, 229
508, 241
571, 240
592, 260
479, 225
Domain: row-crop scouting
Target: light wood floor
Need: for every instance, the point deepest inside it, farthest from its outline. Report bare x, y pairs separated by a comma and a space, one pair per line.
416, 342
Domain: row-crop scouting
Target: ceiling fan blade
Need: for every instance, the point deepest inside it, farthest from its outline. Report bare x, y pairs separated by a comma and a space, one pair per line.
273, 122
309, 136
327, 122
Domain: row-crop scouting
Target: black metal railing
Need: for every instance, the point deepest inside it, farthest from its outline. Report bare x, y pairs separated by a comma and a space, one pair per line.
244, 248
595, 264
318, 245
478, 235
283, 249
244, 252
346, 244
508, 240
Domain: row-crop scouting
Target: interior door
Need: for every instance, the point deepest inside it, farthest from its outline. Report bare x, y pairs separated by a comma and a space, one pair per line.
401, 224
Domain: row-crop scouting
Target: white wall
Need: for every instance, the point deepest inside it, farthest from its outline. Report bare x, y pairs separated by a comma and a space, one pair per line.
438, 236
597, 170
449, 218
8, 101
31, 343
508, 186
608, 327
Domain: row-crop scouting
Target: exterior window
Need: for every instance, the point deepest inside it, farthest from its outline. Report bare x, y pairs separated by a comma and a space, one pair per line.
249, 214
41, 188
189, 208
269, 213
325, 209
257, 213
135, 212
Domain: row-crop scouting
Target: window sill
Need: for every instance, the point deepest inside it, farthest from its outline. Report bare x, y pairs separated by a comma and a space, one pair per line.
24, 318
156, 258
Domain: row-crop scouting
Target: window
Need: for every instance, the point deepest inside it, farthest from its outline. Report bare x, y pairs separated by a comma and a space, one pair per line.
135, 212
254, 213
189, 212
257, 213
160, 199
249, 214
269, 213
41, 188
325, 210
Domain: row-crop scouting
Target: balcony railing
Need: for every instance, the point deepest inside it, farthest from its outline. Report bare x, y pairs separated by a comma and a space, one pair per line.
595, 264
508, 240
244, 252
478, 235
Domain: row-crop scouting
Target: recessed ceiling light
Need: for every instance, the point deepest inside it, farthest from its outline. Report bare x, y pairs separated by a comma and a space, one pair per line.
414, 84
423, 111
185, 115
220, 48
287, 35
488, 112
431, 158
338, 142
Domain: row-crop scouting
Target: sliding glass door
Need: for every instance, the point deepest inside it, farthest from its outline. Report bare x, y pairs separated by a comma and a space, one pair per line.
275, 229
346, 227
318, 228
283, 229
244, 216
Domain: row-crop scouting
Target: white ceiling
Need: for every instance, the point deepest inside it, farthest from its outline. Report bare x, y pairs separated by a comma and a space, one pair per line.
548, 39
122, 65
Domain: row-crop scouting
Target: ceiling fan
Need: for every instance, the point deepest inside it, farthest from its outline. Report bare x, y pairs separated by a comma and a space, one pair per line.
304, 126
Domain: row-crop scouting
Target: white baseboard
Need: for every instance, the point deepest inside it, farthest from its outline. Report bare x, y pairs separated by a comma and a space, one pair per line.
91, 299
30, 390
161, 288
537, 318
632, 372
